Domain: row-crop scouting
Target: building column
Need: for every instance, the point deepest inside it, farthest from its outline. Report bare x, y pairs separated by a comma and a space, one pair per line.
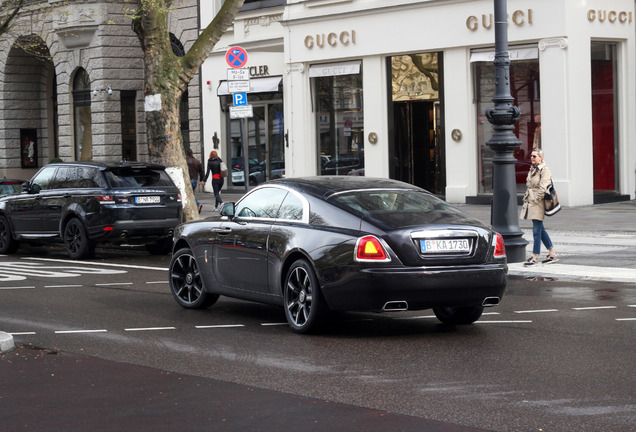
566, 118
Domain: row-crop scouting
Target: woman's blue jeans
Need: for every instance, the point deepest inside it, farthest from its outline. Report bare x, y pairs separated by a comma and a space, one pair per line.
540, 235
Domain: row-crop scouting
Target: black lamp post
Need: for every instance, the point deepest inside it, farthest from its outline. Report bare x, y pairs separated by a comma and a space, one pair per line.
504, 214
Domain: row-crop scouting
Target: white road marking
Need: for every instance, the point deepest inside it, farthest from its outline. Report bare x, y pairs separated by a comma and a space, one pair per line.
149, 329
594, 308
114, 283
80, 331
62, 286
22, 333
17, 288
219, 326
537, 311
625, 319
504, 322
99, 264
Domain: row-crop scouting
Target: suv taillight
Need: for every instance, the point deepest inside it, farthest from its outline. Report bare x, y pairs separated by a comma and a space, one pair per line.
500, 247
105, 199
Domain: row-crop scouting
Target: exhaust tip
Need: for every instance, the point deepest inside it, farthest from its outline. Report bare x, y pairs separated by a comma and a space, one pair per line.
491, 301
395, 306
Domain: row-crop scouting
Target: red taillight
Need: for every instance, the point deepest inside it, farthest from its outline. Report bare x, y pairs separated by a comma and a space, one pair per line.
369, 248
108, 228
500, 247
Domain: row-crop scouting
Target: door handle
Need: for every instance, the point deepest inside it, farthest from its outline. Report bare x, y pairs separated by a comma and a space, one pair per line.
222, 231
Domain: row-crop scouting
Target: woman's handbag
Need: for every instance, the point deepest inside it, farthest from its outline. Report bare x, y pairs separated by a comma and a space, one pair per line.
223, 169
551, 201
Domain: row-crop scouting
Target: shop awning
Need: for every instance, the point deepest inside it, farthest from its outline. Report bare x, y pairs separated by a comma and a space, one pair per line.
334, 69
515, 54
257, 85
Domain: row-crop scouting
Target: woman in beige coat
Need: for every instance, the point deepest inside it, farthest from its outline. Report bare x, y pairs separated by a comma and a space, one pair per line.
533, 208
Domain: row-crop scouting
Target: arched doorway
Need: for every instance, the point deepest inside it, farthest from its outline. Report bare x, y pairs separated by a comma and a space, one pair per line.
28, 98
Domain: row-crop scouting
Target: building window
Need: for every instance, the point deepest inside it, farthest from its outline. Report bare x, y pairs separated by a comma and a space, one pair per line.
524, 88
82, 116
339, 118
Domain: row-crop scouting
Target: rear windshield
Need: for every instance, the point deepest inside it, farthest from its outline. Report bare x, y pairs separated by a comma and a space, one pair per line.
398, 208
137, 178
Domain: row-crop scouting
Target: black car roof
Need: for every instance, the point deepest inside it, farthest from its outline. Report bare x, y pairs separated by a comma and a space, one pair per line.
111, 165
326, 186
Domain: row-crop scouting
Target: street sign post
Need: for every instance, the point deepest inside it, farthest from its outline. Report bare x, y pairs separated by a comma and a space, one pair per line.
239, 99
236, 57
244, 111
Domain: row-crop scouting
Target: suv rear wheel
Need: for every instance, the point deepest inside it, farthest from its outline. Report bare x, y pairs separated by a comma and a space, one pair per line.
76, 240
7, 243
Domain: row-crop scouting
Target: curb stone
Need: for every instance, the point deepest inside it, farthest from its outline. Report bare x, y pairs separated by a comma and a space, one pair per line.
6, 342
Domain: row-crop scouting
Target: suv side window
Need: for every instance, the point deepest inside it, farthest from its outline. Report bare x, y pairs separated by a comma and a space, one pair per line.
42, 180
90, 178
65, 178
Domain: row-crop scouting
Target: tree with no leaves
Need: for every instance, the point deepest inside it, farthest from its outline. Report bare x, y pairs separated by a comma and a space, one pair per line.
167, 77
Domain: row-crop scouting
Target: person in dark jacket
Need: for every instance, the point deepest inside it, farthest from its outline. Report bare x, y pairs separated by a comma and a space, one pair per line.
196, 174
214, 167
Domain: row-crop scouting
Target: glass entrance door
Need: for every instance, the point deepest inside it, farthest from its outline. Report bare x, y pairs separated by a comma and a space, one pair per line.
263, 134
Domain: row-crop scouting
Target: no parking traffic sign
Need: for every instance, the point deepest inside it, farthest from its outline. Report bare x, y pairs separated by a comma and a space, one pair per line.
236, 57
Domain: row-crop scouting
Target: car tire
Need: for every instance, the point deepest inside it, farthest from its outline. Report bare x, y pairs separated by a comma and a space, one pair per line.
159, 247
458, 315
253, 181
8, 244
186, 284
304, 305
78, 245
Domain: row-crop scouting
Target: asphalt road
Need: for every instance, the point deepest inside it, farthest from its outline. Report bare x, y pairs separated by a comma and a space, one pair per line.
554, 356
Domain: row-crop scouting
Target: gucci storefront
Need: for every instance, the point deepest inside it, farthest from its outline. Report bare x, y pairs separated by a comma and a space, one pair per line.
359, 98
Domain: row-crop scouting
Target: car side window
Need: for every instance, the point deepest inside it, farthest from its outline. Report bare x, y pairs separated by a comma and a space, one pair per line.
262, 203
90, 178
66, 177
43, 178
292, 208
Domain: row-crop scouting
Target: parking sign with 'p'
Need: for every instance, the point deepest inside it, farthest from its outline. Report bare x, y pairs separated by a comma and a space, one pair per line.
240, 99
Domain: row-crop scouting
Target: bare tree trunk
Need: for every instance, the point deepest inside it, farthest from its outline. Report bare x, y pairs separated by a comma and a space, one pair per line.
166, 78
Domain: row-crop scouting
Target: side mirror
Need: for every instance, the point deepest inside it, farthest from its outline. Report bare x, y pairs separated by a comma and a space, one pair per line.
31, 188
228, 209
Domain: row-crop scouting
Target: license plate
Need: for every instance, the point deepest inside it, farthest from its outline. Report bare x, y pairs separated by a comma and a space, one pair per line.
147, 200
444, 245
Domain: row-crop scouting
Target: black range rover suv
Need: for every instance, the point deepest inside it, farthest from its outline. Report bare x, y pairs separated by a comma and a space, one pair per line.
85, 203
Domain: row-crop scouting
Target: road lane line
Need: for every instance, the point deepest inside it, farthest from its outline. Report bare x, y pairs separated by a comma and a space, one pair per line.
62, 286
17, 288
114, 283
625, 319
536, 311
149, 329
594, 308
219, 326
98, 264
80, 331
21, 333
504, 322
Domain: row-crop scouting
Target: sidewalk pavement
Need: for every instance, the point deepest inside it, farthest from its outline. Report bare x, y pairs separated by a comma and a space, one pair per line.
596, 242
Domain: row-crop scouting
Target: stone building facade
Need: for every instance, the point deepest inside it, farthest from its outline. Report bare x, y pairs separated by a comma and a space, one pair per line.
82, 99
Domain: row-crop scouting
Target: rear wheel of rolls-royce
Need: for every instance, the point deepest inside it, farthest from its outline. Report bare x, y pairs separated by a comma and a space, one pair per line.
304, 305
